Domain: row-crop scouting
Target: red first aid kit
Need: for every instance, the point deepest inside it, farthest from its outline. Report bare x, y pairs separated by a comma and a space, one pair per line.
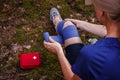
30, 60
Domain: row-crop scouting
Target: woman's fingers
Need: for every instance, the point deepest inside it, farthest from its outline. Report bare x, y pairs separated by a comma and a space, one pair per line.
50, 46
72, 20
51, 40
46, 44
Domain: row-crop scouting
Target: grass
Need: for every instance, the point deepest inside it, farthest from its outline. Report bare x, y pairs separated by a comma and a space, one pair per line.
30, 18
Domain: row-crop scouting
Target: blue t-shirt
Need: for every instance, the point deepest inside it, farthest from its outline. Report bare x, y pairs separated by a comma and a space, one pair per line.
100, 61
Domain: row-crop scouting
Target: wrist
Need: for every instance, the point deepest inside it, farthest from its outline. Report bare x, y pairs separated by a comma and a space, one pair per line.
60, 53
82, 25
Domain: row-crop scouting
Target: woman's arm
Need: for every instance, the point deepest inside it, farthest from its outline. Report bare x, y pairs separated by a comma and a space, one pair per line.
99, 30
66, 67
56, 48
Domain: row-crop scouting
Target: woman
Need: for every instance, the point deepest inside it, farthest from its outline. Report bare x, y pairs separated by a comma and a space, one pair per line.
99, 61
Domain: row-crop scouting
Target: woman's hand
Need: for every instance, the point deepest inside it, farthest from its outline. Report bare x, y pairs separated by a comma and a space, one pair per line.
80, 24
76, 22
53, 46
99, 30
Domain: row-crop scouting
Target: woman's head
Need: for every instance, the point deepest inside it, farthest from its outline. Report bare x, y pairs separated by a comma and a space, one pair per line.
107, 9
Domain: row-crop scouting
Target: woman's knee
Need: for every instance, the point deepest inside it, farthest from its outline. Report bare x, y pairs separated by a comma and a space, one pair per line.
67, 23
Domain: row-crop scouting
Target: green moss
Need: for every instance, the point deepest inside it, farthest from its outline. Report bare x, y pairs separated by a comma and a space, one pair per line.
37, 16
65, 11
20, 37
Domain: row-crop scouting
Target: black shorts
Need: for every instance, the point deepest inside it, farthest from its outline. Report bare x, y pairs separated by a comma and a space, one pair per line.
72, 52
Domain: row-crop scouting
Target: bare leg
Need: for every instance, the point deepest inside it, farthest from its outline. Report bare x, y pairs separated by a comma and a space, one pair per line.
69, 41
66, 29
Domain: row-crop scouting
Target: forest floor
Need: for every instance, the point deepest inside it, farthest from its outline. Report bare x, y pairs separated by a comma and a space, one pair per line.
22, 23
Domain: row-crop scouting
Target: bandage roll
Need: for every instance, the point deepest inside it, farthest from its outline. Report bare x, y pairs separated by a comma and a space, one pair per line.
59, 39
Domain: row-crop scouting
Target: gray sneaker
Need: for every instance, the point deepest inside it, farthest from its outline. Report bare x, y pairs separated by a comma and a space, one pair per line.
54, 12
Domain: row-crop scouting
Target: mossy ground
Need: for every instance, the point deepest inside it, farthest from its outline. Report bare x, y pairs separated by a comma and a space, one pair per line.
22, 22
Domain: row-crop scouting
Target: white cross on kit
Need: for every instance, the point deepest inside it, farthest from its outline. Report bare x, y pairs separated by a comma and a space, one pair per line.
34, 57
